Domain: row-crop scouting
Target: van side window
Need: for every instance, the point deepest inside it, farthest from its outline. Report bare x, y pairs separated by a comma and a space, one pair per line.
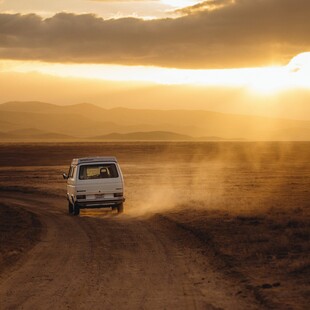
71, 172
98, 171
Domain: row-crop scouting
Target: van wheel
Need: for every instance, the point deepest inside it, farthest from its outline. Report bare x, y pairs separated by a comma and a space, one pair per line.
76, 210
70, 207
120, 208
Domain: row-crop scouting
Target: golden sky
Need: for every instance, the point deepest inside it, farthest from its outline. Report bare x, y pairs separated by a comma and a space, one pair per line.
260, 45
104, 8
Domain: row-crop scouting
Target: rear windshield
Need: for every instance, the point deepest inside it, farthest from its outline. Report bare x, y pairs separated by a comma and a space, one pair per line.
98, 171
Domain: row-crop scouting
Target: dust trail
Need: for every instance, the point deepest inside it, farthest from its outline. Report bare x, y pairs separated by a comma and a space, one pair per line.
235, 177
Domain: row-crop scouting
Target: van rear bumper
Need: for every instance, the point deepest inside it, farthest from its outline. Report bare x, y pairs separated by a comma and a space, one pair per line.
99, 204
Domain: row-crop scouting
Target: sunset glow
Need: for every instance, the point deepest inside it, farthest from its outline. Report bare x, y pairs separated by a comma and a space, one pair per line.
205, 107
165, 54
263, 80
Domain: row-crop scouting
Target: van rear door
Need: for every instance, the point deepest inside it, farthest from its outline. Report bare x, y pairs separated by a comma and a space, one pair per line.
99, 180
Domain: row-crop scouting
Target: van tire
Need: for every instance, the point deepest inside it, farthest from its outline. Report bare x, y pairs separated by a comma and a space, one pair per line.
76, 210
70, 207
120, 208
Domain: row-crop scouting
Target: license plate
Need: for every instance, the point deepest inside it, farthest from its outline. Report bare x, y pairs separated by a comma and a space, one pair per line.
98, 196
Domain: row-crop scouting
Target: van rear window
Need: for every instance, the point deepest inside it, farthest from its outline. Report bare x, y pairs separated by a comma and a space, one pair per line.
98, 171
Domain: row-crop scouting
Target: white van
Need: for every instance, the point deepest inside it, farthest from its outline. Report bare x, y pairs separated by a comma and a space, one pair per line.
94, 182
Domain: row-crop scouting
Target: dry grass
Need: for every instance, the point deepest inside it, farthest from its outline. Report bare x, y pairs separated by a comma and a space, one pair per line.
267, 251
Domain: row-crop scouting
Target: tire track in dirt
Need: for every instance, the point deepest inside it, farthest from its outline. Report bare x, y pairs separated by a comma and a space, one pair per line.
104, 261
226, 263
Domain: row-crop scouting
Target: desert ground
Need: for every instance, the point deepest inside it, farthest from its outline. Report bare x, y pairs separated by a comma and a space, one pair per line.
212, 225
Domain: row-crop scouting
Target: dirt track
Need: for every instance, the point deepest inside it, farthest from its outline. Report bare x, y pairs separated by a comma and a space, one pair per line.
104, 261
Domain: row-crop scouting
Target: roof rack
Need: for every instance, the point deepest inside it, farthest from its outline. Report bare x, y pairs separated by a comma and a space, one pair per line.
84, 160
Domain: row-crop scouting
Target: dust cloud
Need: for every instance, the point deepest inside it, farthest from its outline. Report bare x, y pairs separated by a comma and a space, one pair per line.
232, 177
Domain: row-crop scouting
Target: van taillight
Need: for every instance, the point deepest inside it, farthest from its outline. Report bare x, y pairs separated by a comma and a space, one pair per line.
118, 194
81, 197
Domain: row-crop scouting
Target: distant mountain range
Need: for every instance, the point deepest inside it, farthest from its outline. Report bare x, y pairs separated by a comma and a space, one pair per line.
32, 134
39, 121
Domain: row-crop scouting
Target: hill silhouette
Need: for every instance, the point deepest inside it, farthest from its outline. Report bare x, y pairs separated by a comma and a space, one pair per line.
30, 134
148, 136
84, 121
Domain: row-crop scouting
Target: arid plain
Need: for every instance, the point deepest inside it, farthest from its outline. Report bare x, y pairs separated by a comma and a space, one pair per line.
210, 225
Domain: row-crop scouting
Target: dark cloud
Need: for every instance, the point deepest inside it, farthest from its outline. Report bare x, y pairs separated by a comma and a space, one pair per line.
246, 33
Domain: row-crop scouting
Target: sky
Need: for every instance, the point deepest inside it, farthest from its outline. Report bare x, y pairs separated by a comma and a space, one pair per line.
257, 47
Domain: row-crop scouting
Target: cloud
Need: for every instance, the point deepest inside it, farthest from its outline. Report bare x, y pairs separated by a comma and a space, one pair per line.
205, 6
123, 0
241, 34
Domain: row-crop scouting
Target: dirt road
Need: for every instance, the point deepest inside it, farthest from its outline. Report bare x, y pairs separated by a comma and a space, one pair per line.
103, 261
